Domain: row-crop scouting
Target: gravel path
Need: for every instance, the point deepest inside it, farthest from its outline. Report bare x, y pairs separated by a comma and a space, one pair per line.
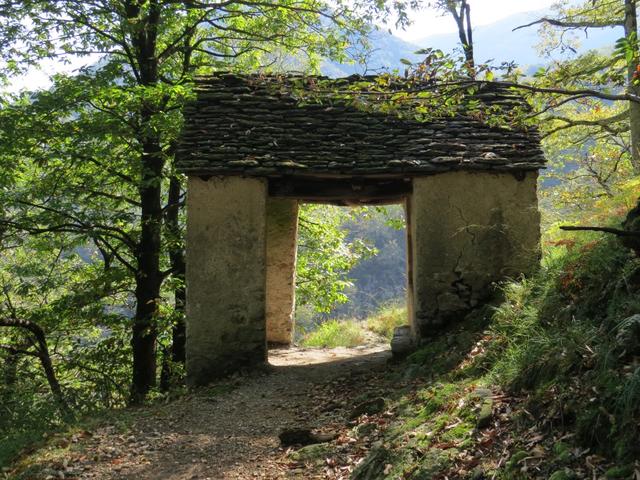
234, 434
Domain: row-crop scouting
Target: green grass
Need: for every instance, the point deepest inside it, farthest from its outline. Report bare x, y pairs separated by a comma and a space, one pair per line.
336, 333
351, 333
387, 319
562, 335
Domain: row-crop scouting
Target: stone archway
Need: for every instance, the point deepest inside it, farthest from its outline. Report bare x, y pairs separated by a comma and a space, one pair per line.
469, 191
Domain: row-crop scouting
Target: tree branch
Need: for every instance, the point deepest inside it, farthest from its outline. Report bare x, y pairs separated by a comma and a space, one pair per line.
613, 231
568, 24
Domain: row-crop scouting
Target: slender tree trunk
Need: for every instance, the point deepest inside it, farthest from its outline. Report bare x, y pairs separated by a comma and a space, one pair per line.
177, 260
39, 340
467, 46
10, 370
52, 379
632, 224
462, 18
631, 32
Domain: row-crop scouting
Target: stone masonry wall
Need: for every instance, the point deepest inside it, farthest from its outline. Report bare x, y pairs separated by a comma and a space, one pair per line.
467, 231
226, 276
282, 232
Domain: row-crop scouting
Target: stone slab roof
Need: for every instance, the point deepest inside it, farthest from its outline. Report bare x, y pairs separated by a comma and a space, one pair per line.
257, 126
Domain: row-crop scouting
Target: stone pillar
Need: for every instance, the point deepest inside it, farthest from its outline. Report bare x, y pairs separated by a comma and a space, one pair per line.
410, 263
282, 232
226, 276
468, 230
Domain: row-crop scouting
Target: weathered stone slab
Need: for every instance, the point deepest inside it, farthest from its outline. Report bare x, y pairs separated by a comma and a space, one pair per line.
255, 116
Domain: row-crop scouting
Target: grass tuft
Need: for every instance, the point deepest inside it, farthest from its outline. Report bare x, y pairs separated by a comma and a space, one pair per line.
387, 319
336, 333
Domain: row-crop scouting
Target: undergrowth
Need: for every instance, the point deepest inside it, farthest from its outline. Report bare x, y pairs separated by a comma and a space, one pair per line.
387, 319
571, 336
336, 333
559, 356
352, 333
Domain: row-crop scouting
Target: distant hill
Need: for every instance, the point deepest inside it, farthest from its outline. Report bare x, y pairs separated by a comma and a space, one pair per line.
497, 42
385, 55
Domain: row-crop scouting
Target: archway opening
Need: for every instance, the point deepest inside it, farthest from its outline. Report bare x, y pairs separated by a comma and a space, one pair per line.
351, 275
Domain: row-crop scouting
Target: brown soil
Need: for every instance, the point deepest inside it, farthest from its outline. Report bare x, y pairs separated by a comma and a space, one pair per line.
233, 434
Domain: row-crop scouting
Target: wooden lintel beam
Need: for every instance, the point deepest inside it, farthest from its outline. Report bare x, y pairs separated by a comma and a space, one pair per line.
364, 191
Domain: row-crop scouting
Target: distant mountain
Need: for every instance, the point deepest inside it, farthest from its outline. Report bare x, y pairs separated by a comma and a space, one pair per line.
497, 42
385, 55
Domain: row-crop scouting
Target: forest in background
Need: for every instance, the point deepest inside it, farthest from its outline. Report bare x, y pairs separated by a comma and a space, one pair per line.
92, 209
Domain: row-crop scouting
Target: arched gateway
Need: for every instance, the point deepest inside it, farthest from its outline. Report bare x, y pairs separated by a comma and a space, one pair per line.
253, 148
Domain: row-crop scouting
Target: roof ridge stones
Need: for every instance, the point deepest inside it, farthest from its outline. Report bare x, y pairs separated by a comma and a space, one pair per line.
272, 125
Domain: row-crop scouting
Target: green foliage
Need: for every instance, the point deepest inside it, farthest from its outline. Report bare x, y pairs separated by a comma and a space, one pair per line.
379, 279
91, 219
589, 140
387, 319
326, 256
336, 333
75, 302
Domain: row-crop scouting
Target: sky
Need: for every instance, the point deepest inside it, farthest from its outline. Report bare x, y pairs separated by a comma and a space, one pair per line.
424, 23
483, 12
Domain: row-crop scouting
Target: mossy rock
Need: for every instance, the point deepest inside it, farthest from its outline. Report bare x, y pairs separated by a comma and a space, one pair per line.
372, 467
434, 462
364, 430
486, 414
619, 472
311, 453
564, 474
459, 432
516, 458
369, 407
562, 452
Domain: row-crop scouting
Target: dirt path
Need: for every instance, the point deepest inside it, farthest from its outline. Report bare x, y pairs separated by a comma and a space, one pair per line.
234, 434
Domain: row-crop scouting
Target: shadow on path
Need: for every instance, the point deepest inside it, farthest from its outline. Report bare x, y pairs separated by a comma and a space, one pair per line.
231, 431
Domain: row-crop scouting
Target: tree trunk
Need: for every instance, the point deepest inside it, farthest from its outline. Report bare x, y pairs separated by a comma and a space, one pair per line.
174, 239
632, 224
631, 31
467, 46
465, 32
52, 379
177, 260
39, 340
10, 370
148, 277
